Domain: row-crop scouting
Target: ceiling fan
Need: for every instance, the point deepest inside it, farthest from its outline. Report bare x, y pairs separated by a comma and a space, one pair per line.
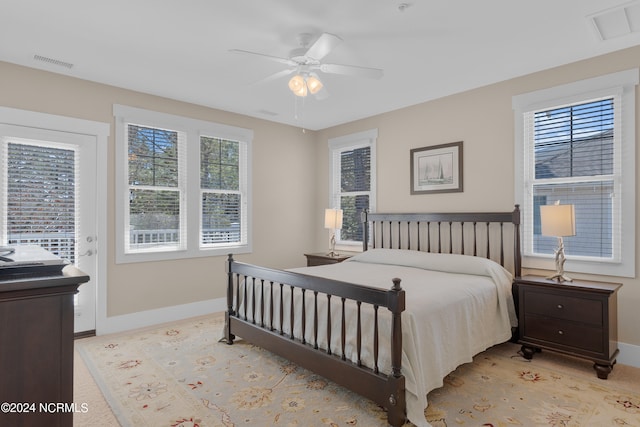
305, 62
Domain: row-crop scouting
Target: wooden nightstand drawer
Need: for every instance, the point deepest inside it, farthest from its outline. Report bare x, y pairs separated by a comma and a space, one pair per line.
564, 307
568, 334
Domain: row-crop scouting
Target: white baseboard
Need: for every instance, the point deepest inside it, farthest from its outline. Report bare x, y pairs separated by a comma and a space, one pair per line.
143, 319
629, 354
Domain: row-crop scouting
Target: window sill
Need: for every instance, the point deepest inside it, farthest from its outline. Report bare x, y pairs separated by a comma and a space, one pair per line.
178, 255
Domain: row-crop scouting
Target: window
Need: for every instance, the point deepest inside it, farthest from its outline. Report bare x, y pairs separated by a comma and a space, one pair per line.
575, 144
184, 187
353, 183
222, 192
156, 187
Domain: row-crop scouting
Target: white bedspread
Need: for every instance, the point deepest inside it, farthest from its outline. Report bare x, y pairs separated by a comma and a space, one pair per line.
456, 307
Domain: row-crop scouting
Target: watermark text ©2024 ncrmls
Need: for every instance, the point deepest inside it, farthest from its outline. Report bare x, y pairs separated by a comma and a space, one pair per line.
43, 407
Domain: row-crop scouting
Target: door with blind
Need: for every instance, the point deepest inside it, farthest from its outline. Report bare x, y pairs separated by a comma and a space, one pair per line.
48, 198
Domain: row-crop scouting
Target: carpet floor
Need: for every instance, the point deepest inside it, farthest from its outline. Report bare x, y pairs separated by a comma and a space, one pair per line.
178, 374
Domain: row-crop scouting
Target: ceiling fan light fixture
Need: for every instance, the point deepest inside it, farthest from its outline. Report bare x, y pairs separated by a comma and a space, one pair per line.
302, 84
297, 84
301, 92
308, 57
314, 84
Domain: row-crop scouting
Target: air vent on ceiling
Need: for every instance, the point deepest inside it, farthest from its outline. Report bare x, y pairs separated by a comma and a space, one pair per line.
617, 22
267, 112
53, 61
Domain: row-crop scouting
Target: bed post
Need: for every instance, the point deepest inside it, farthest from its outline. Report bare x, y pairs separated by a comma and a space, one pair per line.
229, 337
365, 230
517, 254
396, 408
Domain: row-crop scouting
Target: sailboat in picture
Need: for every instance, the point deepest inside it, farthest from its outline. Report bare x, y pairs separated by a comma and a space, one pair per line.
434, 173
436, 169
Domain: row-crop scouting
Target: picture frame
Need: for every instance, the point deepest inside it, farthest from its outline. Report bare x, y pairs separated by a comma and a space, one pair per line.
436, 169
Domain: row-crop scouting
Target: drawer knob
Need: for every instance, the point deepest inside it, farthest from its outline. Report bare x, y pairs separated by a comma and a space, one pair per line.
560, 333
560, 306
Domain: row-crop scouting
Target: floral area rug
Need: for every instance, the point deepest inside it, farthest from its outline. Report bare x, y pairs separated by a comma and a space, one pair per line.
501, 390
180, 375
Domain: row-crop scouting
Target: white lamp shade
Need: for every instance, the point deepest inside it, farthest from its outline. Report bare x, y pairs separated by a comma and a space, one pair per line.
296, 82
314, 84
298, 86
558, 220
301, 92
333, 218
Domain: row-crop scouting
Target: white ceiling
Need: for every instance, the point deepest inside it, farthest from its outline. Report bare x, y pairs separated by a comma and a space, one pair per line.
180, 48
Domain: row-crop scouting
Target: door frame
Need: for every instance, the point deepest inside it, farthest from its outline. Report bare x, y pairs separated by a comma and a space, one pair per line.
101, 131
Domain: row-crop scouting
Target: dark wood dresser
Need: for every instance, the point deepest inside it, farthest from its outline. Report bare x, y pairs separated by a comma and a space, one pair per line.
36, 347
578, 318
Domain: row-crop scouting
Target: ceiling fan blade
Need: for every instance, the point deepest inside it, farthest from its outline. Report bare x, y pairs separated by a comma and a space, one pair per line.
269, 57
352, 70
274, 76
325, 43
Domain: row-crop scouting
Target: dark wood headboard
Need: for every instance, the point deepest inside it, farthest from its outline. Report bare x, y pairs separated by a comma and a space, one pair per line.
484, 234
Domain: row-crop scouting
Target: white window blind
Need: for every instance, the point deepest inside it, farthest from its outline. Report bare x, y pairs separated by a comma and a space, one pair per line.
355, 187
223, 192
157, 180
352, 181
41, 197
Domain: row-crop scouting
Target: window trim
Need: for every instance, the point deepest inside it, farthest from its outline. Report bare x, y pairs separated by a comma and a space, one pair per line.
622, 84
193, 129
366, 138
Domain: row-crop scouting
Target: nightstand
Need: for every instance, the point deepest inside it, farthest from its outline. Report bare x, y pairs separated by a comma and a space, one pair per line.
578, 318
322, 258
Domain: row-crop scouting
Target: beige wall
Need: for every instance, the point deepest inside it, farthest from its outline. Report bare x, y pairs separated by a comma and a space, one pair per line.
484, 120
283, 196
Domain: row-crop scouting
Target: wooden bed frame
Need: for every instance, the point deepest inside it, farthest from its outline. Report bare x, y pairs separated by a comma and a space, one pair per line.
478, 234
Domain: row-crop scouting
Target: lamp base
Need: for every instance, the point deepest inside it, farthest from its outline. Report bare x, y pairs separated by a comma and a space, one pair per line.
558, 277
332, 253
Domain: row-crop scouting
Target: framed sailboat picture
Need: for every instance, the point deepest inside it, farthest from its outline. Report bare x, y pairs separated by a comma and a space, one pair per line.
437, 169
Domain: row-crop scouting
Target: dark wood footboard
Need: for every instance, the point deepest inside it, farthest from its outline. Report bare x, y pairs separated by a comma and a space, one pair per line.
253, 315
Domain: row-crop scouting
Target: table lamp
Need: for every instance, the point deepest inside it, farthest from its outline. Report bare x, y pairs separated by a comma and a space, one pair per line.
558, 221
333, 221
